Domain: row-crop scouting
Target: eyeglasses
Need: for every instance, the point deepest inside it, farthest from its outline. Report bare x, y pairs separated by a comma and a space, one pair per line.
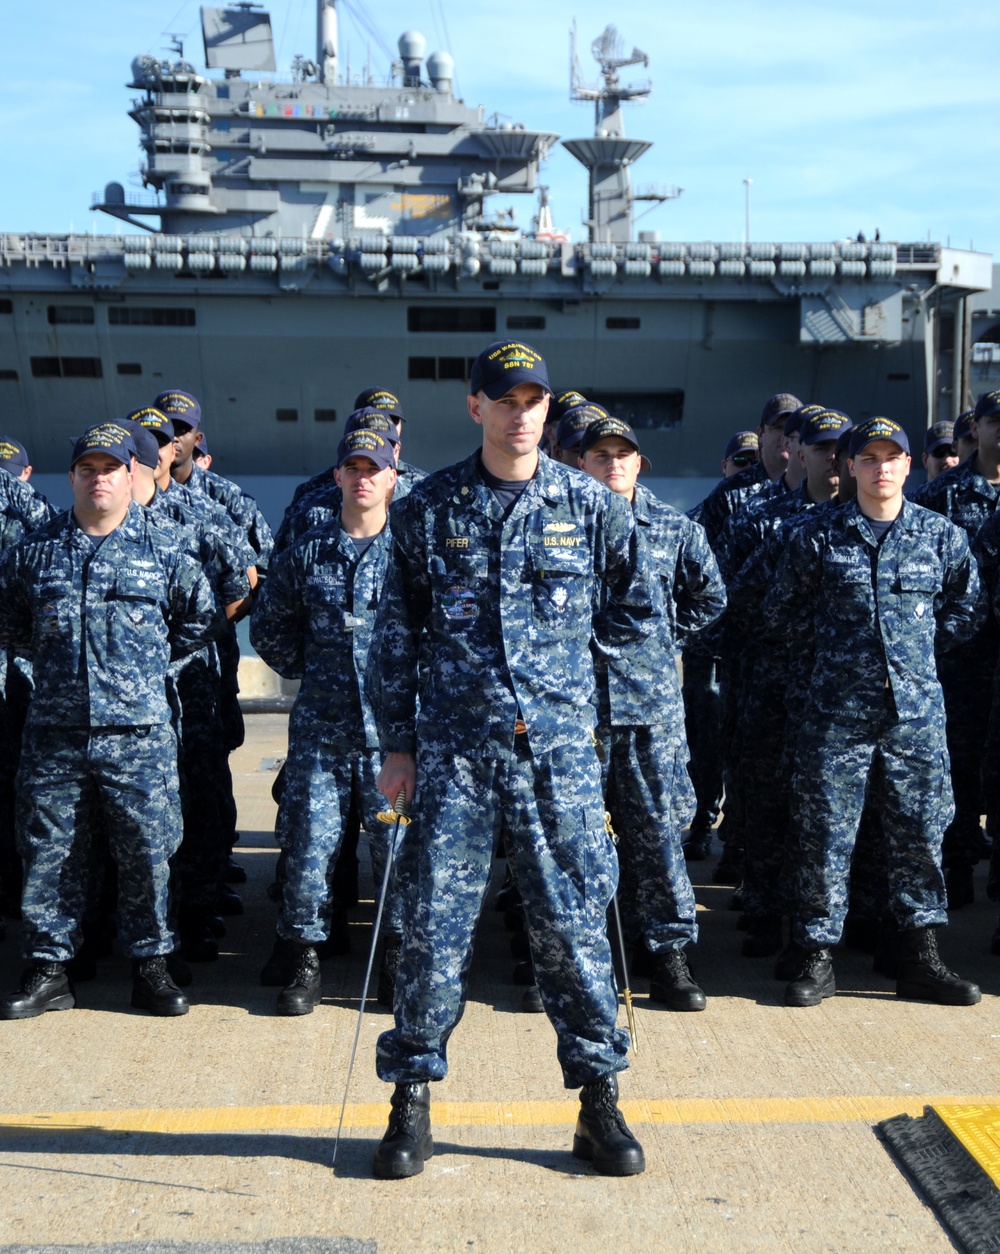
743, 459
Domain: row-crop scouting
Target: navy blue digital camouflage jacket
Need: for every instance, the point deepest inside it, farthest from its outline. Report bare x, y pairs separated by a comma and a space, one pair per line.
101, 626
485, 618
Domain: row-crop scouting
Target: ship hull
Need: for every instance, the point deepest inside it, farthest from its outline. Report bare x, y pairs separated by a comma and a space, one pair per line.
276, 370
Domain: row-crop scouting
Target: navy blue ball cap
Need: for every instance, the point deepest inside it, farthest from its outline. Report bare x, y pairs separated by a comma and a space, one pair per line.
113, 438
179, 406
963, 425
938, 437
778, 406
154, 420
575, 422
13, 455
988, 405
742, 442
828, 424
873, 429
368, 418
367, 443
147, 447
611, 429
380, 398
794, 421
201, 448
505, 364
563, 401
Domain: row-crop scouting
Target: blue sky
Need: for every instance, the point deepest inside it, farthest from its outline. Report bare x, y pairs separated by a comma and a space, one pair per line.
846, 115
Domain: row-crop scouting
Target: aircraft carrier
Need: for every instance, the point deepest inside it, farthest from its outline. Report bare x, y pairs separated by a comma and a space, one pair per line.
306, 236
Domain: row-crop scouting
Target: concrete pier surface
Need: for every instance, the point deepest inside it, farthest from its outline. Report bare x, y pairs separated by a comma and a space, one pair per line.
214, 1132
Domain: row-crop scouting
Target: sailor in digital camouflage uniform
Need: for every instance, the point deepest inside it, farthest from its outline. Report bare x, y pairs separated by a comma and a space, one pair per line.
485, 696
702, 699
969, 495
317, 499
726, 499
206, 532
321, 504
940, 454
22, 510
641, 721
184, 410
756, 537
879, 585
313, 622
101, 605
573, 423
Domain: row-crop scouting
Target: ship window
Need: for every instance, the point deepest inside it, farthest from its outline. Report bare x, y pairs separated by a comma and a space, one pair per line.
129, 367
471, 319
66, 367
452, 368
150, 316
81, 367
6, 306
287, 415
898, 378
647, 411
622, 324
525, 322
325, 415
187, 189
422, 368
8, 376
81, 315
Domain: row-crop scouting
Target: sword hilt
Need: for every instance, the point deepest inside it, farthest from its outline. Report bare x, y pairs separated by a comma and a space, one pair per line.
399, 812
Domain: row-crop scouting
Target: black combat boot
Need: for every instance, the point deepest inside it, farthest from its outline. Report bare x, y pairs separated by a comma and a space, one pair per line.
391, 949
407, 1143
280, 966
44, 986
922, 976
814, 981
763, 939
154, 990
602, 1135
672, 984
304, 993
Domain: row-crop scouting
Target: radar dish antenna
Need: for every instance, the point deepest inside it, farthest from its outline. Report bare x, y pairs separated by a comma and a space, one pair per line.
608, 50
238, 39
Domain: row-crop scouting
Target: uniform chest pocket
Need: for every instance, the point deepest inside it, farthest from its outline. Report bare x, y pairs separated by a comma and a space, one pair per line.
847, 590
459, 584
561, 587
916, 591
136, 599
326, 601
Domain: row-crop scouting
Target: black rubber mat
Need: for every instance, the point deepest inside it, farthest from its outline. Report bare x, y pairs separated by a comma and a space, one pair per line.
965, 1198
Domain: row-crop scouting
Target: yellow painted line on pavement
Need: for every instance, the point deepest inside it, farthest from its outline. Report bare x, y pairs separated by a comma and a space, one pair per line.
691, 1110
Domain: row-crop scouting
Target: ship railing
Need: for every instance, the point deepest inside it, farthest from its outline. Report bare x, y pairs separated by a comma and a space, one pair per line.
378, 255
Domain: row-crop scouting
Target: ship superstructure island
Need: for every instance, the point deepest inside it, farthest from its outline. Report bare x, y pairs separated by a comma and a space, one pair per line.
308, 236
